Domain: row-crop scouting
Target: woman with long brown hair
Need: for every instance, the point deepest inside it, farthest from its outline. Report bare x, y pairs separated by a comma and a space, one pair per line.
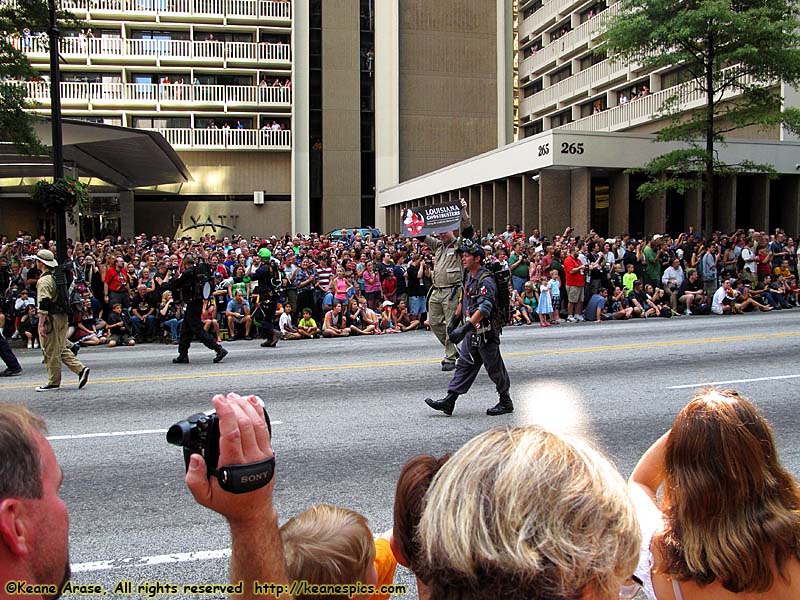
728, 524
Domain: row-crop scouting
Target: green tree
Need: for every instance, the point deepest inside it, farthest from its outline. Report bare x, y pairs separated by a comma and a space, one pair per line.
15, 18
736, 52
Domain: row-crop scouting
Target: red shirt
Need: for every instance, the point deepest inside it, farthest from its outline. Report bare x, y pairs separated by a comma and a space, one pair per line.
117, 280
576, 279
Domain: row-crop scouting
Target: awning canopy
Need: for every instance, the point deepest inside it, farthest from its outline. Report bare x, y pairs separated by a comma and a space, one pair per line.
121, 156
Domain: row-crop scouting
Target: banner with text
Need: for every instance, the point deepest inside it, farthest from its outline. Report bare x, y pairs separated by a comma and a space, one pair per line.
426, 220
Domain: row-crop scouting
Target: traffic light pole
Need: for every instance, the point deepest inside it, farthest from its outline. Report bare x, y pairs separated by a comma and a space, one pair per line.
55, 119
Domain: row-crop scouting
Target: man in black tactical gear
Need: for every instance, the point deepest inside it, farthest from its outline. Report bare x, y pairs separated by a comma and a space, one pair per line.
479, 336
189, 287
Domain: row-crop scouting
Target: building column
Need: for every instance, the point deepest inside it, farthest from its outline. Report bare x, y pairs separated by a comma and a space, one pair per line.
514, 211
554, 202
127, 225
301, 183
530, 203
500, 191
790, 204
581, 200
694, 209
726, 207
619, 203
655, 214
487, 208
474, 204
759, 205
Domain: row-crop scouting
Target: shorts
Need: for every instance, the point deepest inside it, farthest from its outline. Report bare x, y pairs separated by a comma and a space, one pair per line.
238, 320
416, 305
121, 339
574, 294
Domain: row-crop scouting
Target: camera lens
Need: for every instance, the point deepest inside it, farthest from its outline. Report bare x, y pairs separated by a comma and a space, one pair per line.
180, 434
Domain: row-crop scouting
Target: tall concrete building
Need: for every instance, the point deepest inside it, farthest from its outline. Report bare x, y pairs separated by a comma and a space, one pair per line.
288, 115
584, 119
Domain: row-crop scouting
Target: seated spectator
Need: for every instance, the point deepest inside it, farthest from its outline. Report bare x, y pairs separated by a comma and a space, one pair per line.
388, 318
727, 523
238, 314
404, 321
357, 318
690, 293
143, 315
334, 323
209, 318
87, 332
723, 300
745, 301
656, 300
29, 326
171, 314
671, 281
332, 545
527, 513
120, 327
288, 331
639, 301
596, 309
307, 326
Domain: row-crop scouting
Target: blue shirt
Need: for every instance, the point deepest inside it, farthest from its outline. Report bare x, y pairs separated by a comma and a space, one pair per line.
238, 307
595, 302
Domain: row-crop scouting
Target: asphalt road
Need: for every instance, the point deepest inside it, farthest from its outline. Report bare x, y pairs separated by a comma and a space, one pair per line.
348, 413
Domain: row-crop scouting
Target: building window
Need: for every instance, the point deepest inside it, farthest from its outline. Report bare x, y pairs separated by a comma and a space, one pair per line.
592, 11
591, 60
533, 128
561, 118
675, 77
561, 74
162, 122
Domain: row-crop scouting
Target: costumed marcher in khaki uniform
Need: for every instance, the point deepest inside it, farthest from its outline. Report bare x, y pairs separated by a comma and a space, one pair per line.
53, 324
448, 277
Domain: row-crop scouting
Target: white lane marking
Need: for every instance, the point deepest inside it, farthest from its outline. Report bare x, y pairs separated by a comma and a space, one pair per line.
710, 383
145, 561
83, 436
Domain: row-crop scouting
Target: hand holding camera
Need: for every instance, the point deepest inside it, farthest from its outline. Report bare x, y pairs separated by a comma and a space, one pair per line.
236, 437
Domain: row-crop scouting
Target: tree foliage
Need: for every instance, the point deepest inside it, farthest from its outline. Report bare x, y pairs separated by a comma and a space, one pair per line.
15, 17
735, 53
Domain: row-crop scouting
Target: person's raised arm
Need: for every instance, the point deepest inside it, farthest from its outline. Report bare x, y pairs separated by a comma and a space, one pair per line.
256, 548
648, 475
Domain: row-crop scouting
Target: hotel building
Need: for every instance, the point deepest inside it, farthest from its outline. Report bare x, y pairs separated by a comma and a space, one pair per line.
583, 120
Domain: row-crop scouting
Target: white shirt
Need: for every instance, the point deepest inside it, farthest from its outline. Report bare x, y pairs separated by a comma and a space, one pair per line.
284, 321
750, 259
716, 301
672, 273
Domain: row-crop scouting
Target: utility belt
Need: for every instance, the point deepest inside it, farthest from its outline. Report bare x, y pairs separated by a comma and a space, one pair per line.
447, 287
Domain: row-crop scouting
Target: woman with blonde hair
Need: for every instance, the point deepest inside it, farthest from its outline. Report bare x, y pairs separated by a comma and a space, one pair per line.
527, 513
728, 526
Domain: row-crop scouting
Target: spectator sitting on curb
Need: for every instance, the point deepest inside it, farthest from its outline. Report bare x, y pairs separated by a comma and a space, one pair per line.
307, 326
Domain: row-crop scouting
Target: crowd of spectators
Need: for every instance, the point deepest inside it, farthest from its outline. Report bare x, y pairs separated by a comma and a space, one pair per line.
516, 512
347, 283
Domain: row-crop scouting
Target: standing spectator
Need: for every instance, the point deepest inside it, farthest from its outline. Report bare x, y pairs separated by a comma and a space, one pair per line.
709, 268
416, 290
372, 286
518, 265
389, 286
13, 367
116, 284
545, 307
576, 281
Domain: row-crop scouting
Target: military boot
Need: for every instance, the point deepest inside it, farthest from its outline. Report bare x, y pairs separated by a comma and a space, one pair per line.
504, 406
446, 404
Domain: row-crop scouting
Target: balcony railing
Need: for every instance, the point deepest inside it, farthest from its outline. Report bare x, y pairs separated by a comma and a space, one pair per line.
643, 110
152, 93
581, 35
550, 10
162, 49
254, 9
594, 77
230, 139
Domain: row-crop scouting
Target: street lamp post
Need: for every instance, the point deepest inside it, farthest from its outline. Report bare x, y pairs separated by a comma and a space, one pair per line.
55, 120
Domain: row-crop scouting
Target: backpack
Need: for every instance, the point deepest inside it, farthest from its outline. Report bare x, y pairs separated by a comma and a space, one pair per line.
501, 311
68, 299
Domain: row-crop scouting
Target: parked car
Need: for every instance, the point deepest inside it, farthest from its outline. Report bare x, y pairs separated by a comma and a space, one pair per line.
351, 231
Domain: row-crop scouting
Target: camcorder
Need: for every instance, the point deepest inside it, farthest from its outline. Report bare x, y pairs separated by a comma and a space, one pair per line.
199, 434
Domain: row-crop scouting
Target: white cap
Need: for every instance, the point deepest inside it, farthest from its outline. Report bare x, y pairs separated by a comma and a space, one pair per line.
387, 303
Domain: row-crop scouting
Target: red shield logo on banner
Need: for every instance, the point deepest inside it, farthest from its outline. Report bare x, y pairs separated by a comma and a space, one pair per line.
414, 222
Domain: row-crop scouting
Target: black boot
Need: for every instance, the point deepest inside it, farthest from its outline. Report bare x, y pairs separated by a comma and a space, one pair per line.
446, 404
181, 359
503, 407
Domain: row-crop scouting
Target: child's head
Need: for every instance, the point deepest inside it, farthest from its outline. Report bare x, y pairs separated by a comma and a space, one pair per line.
117, 308
329, 545
629, 268
554, 274
306, 313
